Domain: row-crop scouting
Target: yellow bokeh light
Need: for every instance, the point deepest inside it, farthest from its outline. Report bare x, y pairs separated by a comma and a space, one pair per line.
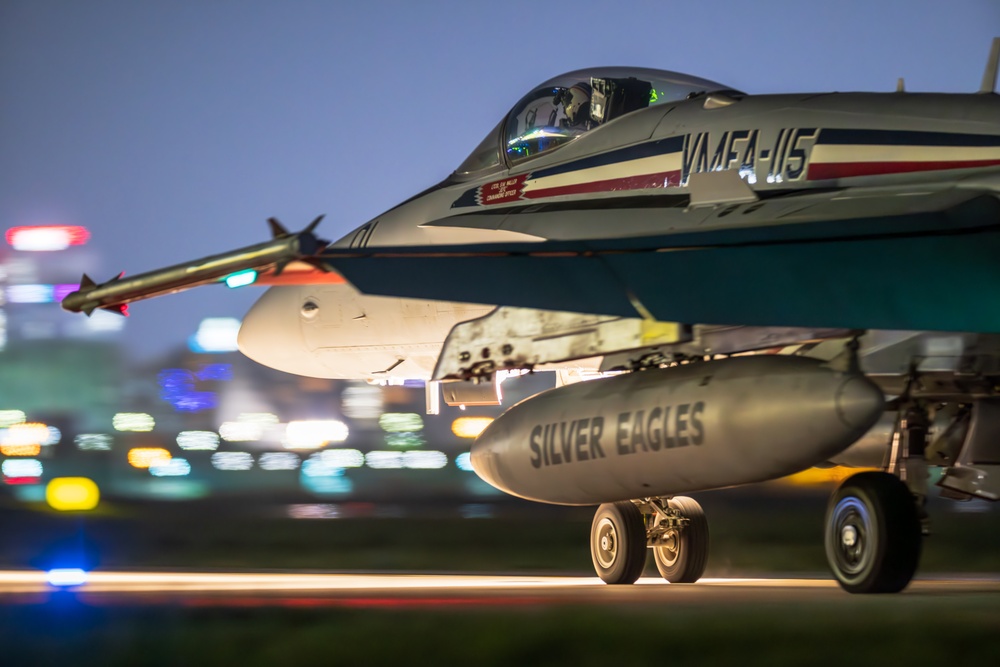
72, 494
143, 457
470, 427
821, 476
20, 450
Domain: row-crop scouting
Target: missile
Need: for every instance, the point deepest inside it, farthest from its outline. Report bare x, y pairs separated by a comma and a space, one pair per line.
663, 432
115, 294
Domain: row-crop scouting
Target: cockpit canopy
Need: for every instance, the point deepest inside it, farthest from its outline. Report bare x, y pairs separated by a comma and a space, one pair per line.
572, 104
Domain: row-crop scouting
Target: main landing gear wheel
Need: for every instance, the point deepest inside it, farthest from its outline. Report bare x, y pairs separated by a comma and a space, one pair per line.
684, 552
872, 534
618, 542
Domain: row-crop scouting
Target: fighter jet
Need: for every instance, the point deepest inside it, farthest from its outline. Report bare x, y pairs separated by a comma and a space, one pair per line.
759, 283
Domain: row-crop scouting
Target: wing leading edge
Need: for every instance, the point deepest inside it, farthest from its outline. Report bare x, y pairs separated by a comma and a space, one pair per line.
932, 270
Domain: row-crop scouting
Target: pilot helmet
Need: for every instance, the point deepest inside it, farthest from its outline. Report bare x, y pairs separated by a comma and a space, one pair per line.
576, 102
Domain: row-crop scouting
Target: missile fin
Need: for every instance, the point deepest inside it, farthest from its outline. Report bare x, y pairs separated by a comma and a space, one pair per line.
278, 230
315, 223
121, 309
86, 283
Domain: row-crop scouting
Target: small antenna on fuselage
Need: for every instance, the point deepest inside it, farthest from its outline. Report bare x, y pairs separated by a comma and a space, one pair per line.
990, 75
900, 85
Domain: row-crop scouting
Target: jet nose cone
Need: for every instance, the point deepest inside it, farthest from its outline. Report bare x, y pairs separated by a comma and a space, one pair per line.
859, 402
271, 333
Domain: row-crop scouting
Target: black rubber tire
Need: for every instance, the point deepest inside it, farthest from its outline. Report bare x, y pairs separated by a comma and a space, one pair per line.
685, 563
872, 534
618, 542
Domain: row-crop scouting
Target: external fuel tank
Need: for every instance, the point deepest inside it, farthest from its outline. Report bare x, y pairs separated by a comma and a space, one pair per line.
667, 431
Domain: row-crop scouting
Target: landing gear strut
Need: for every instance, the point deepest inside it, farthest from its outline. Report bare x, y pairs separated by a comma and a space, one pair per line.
873, 534
681, 552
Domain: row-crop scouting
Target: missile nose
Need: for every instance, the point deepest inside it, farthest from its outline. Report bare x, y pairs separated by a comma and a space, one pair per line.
271, 333
859, 402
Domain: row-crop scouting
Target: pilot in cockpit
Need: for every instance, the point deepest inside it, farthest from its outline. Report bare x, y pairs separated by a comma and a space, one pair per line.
575, 102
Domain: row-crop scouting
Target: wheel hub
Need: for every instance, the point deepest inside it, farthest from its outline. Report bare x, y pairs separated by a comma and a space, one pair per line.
607, 543
852, 523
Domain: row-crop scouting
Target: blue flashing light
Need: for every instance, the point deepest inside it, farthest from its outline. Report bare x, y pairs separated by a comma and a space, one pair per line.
241, 279
217, 372
64, 577
177, 387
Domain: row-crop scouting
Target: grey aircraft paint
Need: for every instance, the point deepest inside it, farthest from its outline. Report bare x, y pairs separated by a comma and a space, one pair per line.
674, 430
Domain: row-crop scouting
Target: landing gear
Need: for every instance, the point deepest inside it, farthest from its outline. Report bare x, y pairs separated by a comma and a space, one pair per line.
681, 552
618, 542
676, 529
873, 534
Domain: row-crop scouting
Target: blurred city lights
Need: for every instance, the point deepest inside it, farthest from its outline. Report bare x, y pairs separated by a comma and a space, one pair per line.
19, 468
420, 460
72, 494
249, 427
137, 422
30, 293
232, 460
464, 461
340, 458
175, 467
215, 335
37, 238
821, 476
65, 577
313, 434
470, 427
11, 417
401, 422
101, 321
413, 460
28, 433
279, 461
241, 279
384, 460
215, 372
262, 418
198, 440
20, 450
362, 402
315, 466
241, 431
335, 483
144, 457
404, 440
55, 436
94, 442
177, 387
313, 511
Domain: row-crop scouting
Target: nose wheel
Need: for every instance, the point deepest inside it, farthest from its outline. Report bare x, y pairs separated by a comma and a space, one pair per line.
618, 542
873, 535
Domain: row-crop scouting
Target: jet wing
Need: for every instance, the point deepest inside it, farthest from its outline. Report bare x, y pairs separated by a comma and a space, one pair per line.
929, 270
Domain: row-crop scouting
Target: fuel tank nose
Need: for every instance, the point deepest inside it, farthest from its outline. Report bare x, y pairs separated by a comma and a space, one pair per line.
858, 399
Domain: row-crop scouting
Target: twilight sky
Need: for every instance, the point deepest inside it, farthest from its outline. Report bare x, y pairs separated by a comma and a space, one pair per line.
174, 130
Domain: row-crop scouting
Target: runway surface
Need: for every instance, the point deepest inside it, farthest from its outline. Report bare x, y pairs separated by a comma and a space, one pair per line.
416, 590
